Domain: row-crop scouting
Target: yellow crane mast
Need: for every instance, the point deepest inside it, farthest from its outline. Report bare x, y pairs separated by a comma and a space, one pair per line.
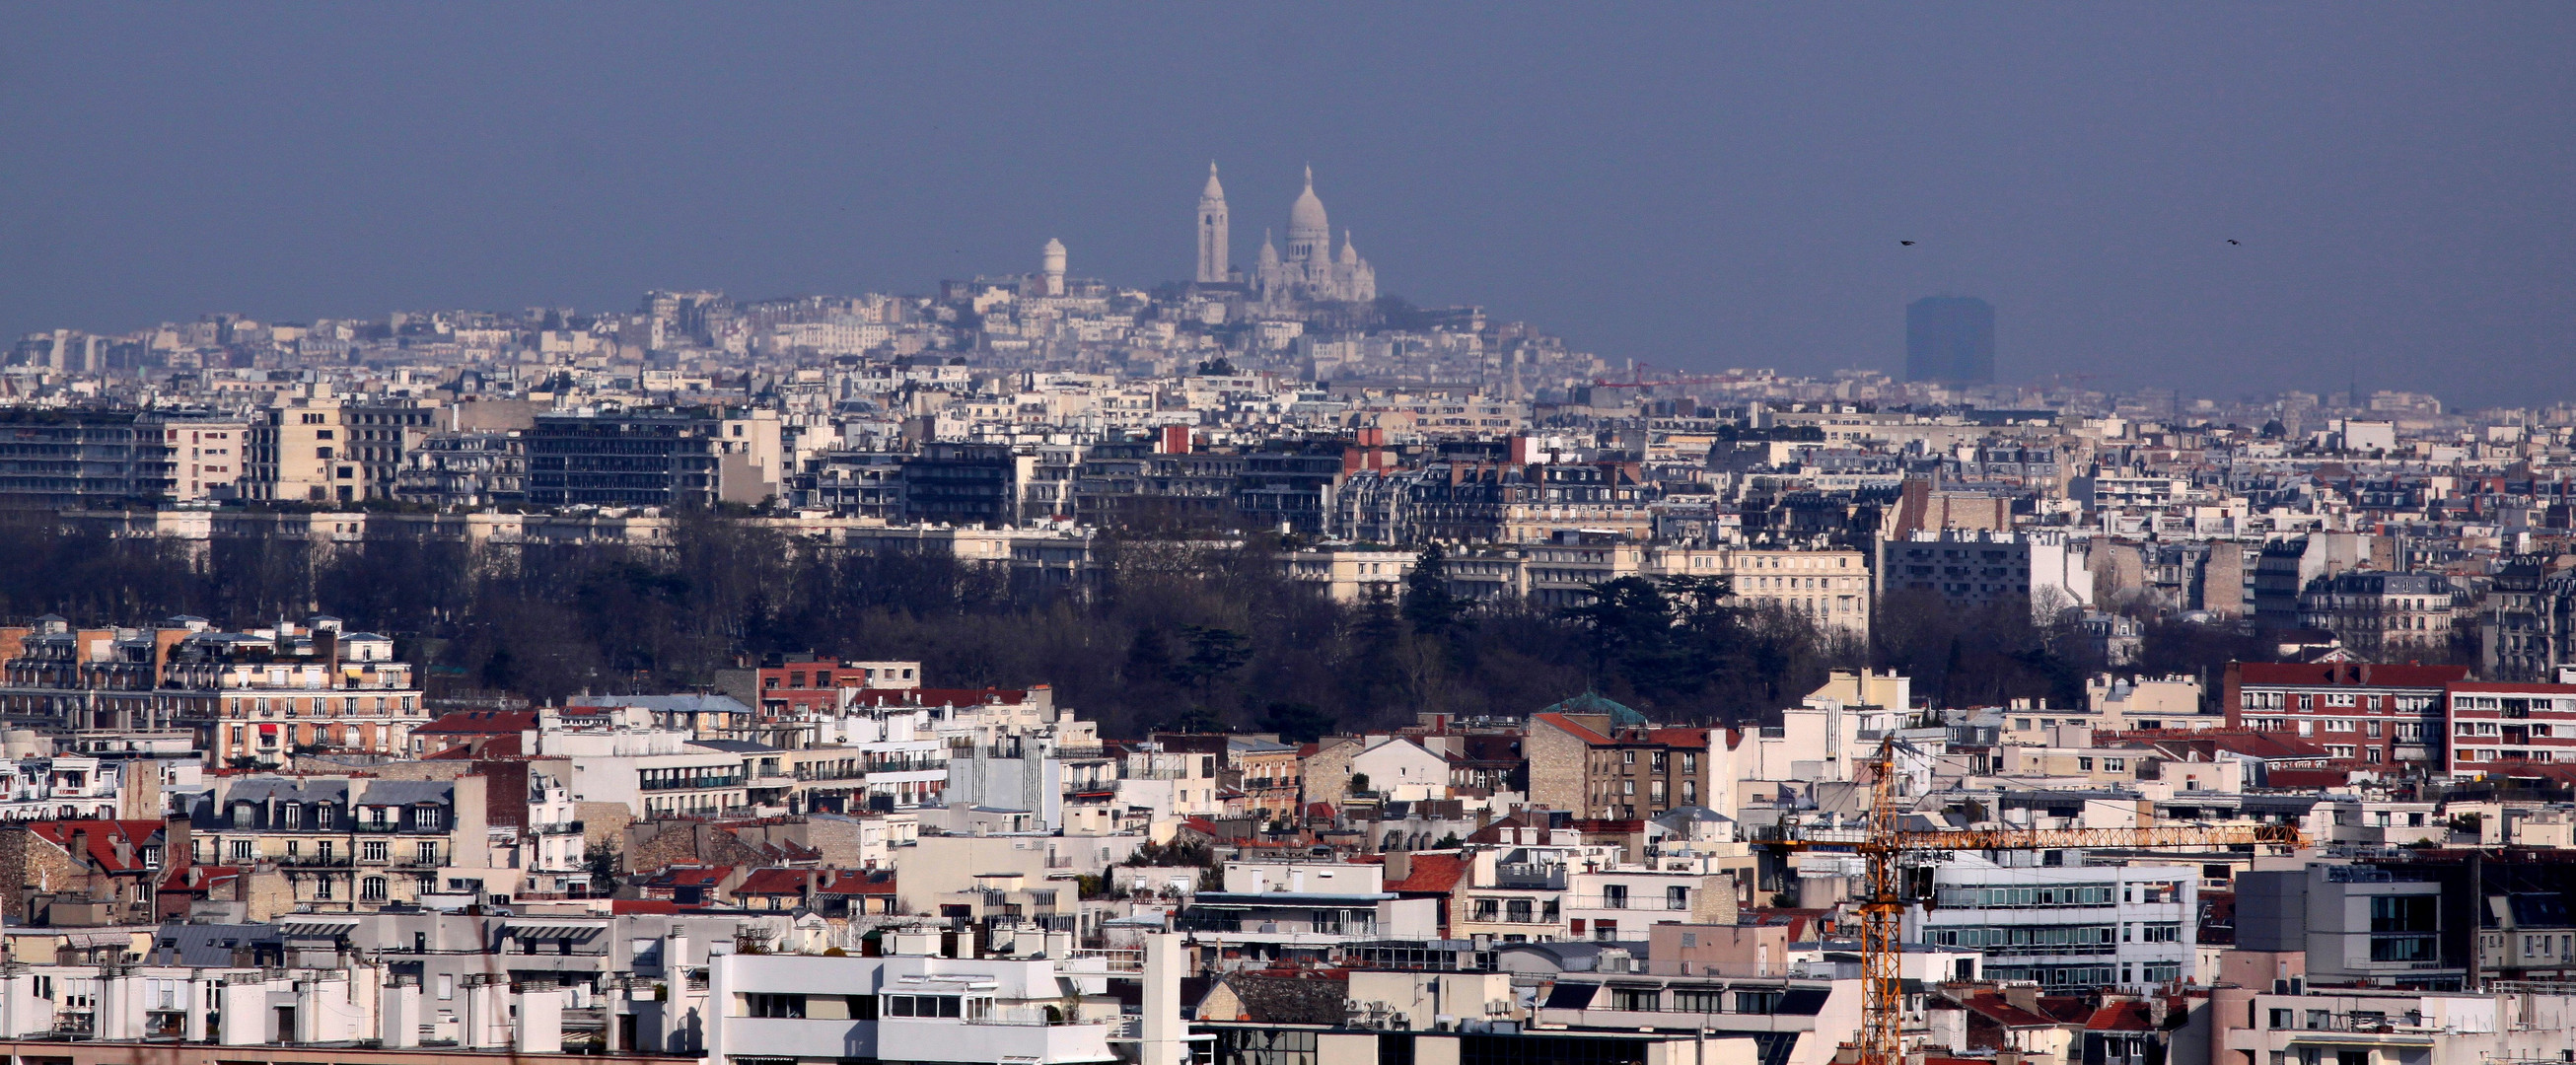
1882, 906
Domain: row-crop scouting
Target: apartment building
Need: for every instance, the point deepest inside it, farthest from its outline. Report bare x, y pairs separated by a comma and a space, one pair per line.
319, 446
70, 459
341, 843
2494, 725
2065, 925
913, 1005
251, 698
2361, 711
206, 455
2038, 570
1594, 756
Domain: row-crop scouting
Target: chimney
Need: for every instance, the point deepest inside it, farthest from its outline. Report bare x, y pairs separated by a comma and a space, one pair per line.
2023, 996
178, 843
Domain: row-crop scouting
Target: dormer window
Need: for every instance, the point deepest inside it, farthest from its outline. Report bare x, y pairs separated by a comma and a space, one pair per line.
243, 815
322, 817
425, 818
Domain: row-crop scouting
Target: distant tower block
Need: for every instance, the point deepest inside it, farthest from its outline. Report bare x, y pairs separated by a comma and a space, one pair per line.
1214, 269
1051, 264
1950, 339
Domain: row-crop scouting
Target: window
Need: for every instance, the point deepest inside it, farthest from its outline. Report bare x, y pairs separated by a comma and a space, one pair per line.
1677, 898
776, 1007
1487, 909
243, 850
372, 889
372, 850
2403, 913
922, 1006
1686, 1000
1518, 911
428, 854
1628, 998
2401, 948
1766, 1001
1614, 897
425, 818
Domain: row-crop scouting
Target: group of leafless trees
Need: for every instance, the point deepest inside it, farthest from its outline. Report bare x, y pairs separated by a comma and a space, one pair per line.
1169, 632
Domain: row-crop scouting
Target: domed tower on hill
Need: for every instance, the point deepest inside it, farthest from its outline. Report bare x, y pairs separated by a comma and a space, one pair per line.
1311, 270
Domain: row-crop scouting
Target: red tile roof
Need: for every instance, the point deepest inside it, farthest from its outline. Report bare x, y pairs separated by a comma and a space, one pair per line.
102, 840
2130, 1016
479, 723
774, 882
2327, 674
1992, 1006
1433, 873
2246, 742
1568, 725
1679, 737
856, 882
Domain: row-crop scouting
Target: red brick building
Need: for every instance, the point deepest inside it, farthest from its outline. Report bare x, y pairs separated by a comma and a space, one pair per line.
2493, 725
2366, 712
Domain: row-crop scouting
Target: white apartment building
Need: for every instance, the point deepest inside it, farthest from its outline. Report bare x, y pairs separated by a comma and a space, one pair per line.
2065, 926
917, 1007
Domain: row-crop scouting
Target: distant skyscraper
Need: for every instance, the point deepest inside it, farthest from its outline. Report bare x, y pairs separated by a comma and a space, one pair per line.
1213, 267
1950, 338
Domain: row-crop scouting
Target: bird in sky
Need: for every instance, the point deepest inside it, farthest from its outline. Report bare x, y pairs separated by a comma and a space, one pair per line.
2233, 240
1910, 244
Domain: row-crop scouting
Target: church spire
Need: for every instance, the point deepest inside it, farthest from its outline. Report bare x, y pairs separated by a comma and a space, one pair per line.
1215, 239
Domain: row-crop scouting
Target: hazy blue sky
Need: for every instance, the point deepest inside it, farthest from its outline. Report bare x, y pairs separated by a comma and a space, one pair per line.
1690, 185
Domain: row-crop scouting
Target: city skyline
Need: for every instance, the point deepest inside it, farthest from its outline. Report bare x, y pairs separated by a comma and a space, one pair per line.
2392, 182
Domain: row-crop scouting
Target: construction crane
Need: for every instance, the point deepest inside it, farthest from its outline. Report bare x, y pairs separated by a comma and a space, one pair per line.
1884, 847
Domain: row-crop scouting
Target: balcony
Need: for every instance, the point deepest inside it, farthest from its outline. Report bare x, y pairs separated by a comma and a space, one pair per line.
908, 1039
1531, 877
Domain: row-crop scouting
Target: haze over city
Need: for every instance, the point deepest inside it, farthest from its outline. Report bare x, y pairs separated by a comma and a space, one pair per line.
1296, 534
1691, 186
